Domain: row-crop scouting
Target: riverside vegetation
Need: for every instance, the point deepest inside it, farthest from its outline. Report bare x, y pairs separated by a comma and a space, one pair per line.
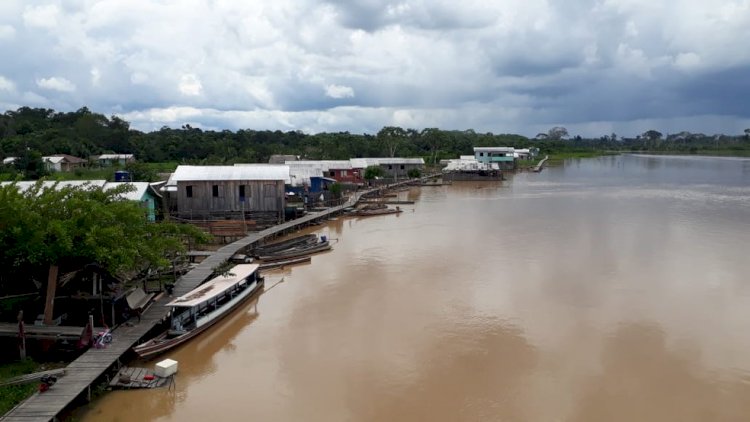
30, 133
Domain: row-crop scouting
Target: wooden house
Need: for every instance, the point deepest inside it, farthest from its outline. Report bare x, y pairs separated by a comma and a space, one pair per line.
63, 162
209, 192
393, 167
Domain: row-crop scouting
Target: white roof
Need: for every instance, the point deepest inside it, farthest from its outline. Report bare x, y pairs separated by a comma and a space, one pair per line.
54, 159
214, 287
8, 160
466, 157
115, 156
236, 172
466, 164
135, 195
26, 185
359, 163
494, 149
325, 165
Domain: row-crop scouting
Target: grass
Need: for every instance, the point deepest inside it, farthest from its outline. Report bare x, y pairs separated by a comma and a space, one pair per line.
13, 394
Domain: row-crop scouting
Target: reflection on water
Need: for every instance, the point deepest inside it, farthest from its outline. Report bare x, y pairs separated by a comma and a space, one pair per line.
607, 289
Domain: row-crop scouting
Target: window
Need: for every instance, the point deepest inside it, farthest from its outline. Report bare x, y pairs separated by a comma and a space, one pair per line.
481, 154
332, 173
390, 167
344, 173
215, 191
242, 193
402, 166
189, 191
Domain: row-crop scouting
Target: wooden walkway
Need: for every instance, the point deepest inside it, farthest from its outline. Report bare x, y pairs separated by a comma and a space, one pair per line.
94, 363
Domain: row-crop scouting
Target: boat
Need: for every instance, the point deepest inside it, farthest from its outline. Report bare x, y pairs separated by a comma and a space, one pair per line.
378, 211
204, 306
284, 263
299, 251
270, 248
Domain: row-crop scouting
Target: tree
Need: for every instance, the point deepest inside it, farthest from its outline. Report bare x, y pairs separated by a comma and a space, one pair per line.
32, 166
747, 133
372, 172
69, 227
391, 137
557, 133
435, 138
652, 135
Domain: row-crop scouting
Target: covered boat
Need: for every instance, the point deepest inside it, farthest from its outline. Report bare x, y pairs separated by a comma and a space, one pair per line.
197, 310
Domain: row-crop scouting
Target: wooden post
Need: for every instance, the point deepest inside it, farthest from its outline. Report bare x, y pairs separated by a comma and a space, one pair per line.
49, 303
21, 336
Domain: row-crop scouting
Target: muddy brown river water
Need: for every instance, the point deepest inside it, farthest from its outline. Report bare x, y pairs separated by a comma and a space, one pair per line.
609, 289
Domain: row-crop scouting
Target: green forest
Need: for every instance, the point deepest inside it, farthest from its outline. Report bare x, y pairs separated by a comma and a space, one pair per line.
29, 133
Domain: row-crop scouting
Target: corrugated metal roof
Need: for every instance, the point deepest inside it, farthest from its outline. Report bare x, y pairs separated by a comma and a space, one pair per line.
8, 160
115, 156
359, 163
494, 149
25, 185
236, 172
325, 165
135, 195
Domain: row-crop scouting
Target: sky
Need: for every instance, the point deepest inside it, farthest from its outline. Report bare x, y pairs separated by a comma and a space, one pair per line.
510, 66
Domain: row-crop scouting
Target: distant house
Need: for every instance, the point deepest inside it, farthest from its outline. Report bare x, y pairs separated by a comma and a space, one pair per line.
222, 191
339, 170
63, 162
106, 160
393, 167
7, 161
143, 193
501, 157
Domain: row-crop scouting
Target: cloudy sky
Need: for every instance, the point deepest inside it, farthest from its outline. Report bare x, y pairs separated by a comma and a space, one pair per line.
521, 66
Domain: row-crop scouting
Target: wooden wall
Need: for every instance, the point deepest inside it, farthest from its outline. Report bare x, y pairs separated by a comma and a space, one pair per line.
260, 196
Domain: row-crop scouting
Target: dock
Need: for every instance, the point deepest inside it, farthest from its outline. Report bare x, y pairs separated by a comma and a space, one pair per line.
95, 363
50, 332
540, 166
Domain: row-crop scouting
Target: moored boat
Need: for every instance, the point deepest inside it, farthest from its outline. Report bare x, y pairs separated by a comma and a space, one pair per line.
300, 251
202, 307
270, 248
378, 211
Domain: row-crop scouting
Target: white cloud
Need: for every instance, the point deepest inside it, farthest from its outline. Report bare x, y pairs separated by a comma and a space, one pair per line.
411, 62
339, 91
44, 16
190, 85
56, 83
6, 84
96, 76
7, 32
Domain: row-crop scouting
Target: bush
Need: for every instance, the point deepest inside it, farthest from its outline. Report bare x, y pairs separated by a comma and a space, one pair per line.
414, 173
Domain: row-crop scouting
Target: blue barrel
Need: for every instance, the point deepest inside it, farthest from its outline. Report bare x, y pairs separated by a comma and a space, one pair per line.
123, 176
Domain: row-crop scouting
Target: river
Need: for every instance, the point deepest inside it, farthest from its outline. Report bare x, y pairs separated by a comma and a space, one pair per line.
608, 289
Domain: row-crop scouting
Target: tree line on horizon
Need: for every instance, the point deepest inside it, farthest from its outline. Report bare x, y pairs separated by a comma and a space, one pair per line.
83, 133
